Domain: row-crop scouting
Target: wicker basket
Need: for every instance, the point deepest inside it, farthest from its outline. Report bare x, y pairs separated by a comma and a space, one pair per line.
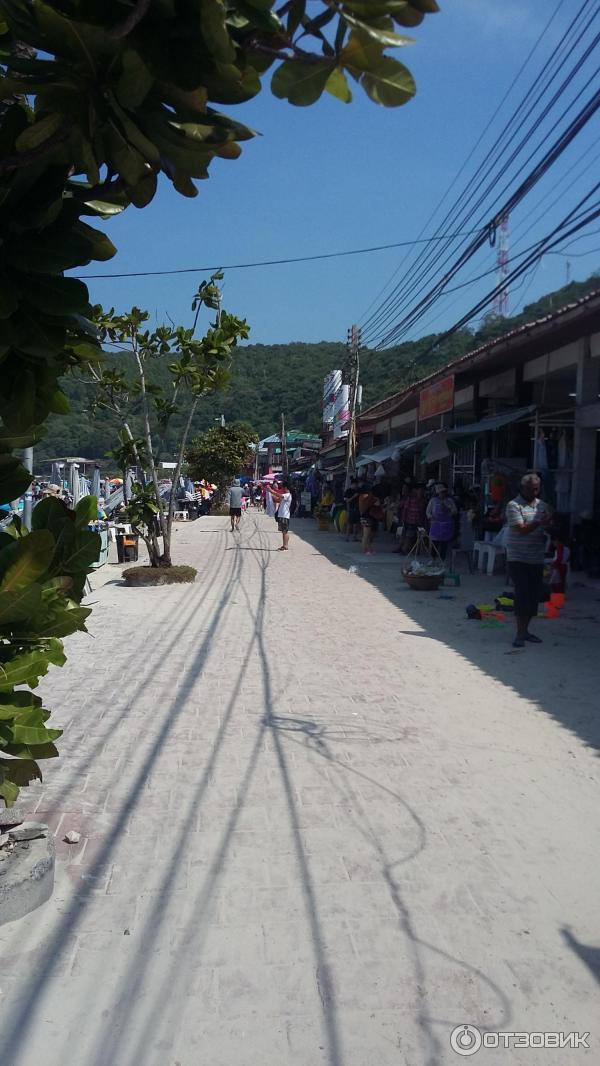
424, 582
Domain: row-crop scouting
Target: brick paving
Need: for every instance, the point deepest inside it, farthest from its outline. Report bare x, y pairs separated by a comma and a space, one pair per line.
307, 839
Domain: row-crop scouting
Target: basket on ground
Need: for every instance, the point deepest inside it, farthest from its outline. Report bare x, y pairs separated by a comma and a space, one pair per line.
424, 582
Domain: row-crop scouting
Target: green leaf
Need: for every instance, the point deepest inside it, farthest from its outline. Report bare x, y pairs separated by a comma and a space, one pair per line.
86, 511
337, 85
380, 30
51, 514
19, 605
17, 703
56, 295
27, 731
40, 131
135, 80
301, 83
70, 620
214, 31
28, 667
26, 560
390, 83
19, 772
15, 479
8, 789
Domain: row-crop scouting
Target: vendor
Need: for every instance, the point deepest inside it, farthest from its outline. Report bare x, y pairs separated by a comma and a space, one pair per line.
441, 512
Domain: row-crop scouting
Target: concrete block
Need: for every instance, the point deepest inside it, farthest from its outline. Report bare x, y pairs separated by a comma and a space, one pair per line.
26, 878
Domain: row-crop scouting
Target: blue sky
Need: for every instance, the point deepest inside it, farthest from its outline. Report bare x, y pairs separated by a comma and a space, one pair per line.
334, 177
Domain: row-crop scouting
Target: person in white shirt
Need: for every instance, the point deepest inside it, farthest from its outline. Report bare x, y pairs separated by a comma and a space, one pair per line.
282, 498
235, 504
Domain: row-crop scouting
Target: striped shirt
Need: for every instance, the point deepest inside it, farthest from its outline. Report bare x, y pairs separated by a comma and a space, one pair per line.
525, 547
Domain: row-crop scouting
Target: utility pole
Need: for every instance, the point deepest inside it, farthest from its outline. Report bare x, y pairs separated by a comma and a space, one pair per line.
352, 374
284, 455
502, 265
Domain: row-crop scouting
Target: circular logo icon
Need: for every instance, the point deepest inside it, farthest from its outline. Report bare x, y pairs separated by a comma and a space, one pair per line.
465, 1039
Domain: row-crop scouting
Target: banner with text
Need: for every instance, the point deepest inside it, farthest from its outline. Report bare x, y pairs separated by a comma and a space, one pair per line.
437, 399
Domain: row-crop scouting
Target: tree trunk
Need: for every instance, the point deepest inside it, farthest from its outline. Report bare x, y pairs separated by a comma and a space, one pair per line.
165, 558
177, 472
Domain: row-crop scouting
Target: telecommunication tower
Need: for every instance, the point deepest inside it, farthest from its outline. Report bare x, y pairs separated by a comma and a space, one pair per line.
501, 300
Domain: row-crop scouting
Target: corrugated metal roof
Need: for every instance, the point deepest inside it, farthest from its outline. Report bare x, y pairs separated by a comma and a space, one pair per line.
381, 408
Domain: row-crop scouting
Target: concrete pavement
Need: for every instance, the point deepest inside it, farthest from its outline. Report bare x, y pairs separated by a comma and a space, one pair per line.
308, 838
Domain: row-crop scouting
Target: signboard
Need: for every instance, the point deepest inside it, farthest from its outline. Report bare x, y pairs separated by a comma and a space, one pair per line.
331, 388
437, 399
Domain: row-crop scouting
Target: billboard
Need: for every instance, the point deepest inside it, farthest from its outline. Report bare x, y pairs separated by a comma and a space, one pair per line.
437, 399
331, 387
336, 401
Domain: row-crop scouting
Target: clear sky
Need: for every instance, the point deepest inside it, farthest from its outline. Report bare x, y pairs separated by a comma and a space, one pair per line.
334, 177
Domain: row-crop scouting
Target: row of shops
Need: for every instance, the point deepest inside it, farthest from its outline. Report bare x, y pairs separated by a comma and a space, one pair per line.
528, 400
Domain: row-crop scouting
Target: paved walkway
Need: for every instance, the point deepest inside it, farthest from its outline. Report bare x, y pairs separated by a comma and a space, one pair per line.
316, 830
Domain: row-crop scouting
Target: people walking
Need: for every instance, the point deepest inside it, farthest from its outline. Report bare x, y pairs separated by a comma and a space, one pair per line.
528, 518
282, 498
235, 504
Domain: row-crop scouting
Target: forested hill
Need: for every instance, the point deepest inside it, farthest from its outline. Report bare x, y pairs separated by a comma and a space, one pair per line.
269, 379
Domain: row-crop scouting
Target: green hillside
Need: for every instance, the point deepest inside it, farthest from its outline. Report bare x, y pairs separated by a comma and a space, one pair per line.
269, 379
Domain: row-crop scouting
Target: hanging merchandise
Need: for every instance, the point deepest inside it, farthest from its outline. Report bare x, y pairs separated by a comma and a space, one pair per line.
540, 453
563, 474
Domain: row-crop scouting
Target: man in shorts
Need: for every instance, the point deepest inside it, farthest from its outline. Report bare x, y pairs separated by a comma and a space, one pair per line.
235, 504
282, 498
528, 518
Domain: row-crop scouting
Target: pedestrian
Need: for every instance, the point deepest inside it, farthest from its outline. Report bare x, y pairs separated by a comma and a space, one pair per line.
441, 512
282, 498
235, 504
353, 522
413, 516
528, 518
371, 513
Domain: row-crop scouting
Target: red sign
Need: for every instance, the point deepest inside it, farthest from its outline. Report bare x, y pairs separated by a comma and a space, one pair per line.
437, 399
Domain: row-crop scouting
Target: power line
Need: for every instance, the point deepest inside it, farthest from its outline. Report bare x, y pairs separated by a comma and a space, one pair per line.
549, 242
377, 320
527, 184
479, 140
272, 262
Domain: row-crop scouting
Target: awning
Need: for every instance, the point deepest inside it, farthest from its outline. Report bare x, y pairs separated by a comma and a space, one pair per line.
376, 455
475, 429
487, 424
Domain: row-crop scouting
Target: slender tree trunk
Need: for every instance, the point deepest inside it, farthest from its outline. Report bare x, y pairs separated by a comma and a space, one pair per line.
165, 559
177, 472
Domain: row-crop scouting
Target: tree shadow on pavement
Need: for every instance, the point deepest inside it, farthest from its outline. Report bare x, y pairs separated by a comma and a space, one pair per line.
14, 1036
588, 954
170, 984
559, 676
316, 738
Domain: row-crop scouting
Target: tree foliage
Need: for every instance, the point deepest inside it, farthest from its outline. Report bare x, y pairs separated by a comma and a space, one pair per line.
42, 575
220, 454
195, 368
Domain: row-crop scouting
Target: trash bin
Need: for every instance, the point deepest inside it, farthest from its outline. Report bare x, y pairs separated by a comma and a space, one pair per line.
127, 547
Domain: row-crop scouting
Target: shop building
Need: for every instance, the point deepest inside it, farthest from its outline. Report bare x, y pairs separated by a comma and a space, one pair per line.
529, 399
